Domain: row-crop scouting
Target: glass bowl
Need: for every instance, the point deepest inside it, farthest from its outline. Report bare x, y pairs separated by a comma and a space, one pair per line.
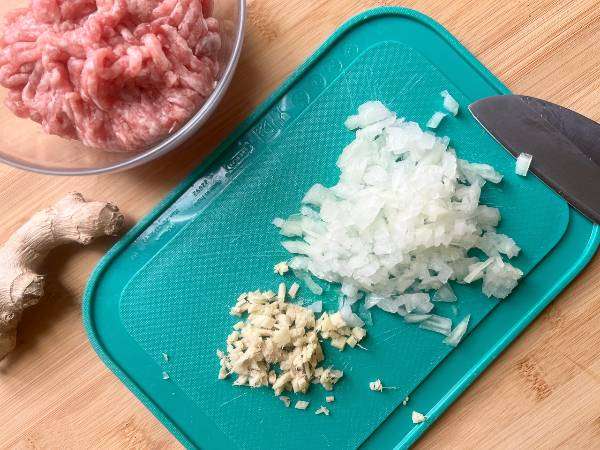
25, 145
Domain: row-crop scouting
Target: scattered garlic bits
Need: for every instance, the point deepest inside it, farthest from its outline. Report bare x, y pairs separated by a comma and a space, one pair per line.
376, 385
522, 164
293, 290
402, 217
405, 401
281, 268
301, 404
275, 333
322, 410
327, 377
417, 417
281, 292
335, 328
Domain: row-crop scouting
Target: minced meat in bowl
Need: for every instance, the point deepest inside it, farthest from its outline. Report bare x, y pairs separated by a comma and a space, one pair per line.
98, 85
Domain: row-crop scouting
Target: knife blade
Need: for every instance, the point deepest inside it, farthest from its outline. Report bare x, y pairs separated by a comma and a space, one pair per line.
564, 144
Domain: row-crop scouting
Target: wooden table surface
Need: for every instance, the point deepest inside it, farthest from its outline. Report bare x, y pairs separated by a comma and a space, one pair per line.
543, 392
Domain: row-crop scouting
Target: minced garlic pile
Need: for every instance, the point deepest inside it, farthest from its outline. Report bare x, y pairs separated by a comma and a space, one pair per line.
276, 332
286, 335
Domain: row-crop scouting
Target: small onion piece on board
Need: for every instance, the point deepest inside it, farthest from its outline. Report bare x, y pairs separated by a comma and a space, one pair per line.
439, 324
450, 104
316, 307
444, 294
458, 332
436, 119
522, 164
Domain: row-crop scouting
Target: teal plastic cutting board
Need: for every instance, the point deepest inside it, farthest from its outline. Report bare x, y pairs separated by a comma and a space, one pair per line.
167, 286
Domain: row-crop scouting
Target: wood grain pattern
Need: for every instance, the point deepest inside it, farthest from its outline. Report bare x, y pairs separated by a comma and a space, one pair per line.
543, 392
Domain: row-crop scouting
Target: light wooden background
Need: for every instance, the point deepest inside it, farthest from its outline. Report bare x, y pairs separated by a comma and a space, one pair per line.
543, 392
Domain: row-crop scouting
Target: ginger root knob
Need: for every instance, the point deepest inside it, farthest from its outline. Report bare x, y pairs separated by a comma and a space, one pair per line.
71, 219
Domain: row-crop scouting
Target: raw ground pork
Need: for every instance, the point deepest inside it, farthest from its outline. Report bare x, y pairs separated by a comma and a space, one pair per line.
115, 74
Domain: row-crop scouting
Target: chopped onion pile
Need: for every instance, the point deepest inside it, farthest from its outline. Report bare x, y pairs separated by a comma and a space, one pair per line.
400, 222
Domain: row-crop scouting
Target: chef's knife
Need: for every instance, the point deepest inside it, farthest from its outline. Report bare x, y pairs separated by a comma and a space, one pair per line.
564, 144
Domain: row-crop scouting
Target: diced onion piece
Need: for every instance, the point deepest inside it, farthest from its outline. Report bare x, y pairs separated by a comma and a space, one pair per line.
389, 304
476, 270
298, 263
435, 120
475, 172
368, 113
522, 164
493, 244
458, 332
316, 307
309, 212
450, 104
436, 323
309, 282
418, 303
351, 319
444, 294
414, 318
372, 300
292, 227
400, 220
299, 247
500, 279
364, 314
375, 130
350, 291
317, 195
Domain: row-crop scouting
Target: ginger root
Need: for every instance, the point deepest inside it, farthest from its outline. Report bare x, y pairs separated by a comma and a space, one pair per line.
71, 219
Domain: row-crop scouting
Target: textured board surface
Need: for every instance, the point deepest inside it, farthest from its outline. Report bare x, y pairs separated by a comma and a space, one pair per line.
172, 280
232, 246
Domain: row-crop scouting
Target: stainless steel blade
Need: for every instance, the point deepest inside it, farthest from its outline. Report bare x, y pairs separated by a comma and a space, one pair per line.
565, 145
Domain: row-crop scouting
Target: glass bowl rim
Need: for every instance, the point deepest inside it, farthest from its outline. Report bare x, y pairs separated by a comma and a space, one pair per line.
172, 141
